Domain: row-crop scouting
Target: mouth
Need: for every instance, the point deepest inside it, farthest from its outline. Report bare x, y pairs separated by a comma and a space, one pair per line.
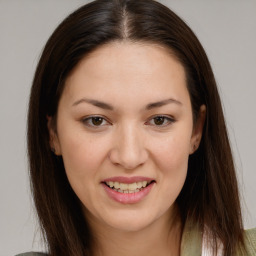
128, 188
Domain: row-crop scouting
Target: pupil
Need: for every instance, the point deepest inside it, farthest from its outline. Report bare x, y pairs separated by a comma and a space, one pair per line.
159, 120
97, 120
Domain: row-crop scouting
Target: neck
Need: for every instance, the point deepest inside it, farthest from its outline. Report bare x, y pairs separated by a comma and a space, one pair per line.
162, 237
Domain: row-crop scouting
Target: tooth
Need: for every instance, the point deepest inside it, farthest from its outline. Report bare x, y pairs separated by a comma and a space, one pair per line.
127, 188
116, 184
139, 184
123, 186
144, 184
132, 186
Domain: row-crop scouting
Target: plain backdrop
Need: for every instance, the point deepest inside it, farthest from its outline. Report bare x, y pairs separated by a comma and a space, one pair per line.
227, 30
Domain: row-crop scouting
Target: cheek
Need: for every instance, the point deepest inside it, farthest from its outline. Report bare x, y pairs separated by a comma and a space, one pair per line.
171, 158
173, 168
81, 153
172, 152
82, 157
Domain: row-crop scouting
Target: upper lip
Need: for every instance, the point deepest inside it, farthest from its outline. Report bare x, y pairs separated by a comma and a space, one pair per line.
128, 180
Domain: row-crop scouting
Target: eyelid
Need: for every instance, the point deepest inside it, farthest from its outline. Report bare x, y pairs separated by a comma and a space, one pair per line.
85, 120
170, 120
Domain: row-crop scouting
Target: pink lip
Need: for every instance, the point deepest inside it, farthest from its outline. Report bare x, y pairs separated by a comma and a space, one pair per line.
128, 180
127, 198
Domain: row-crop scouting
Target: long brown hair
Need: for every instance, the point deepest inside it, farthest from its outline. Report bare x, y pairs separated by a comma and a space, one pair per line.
210, 195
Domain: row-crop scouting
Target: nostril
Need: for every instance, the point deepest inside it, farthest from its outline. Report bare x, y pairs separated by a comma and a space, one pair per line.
127, 157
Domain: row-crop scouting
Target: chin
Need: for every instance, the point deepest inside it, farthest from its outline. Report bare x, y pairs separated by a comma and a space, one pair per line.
131, 220
130, 225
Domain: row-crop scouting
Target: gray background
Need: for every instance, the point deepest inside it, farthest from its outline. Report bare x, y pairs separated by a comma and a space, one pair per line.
227, 30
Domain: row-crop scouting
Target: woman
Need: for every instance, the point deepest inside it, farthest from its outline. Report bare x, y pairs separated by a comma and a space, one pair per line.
128, 149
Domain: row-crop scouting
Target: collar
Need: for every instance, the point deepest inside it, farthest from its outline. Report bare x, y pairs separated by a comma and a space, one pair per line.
191, 242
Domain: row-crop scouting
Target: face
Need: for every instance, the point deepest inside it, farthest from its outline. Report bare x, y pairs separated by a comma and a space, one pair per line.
125, 132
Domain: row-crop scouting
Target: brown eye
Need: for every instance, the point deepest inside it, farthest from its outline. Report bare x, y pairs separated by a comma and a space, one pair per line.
97, 120
159, 120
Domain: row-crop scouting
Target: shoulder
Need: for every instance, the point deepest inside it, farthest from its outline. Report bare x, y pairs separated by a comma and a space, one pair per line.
32, 254
250, 241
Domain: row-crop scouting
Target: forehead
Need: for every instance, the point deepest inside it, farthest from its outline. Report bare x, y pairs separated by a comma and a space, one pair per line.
127, 54
125, 70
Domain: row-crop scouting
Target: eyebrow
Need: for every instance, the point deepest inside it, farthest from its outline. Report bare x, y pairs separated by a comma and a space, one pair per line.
162, 103
107, 106
96, 103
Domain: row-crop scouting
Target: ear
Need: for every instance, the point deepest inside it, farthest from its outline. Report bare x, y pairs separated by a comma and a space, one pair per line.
53, 137
198, 130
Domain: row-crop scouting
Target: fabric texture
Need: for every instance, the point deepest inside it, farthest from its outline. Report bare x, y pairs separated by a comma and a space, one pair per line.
250, 241
32, 254
191, 243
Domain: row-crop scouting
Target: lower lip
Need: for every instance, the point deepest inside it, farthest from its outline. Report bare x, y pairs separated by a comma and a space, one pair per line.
128, 198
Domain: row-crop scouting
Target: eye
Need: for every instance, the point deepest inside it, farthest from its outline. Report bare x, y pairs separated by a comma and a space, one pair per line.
161, 121
95, 121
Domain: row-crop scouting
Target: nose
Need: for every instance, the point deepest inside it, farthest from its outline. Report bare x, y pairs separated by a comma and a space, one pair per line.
128, 149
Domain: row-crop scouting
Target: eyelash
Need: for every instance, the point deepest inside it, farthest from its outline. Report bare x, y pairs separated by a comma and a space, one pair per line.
167, 120
88, 121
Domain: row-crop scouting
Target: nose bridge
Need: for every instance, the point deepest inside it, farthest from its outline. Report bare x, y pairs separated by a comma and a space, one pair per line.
129, 147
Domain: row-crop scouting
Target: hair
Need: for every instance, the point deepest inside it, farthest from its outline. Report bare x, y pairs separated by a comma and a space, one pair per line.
210, 196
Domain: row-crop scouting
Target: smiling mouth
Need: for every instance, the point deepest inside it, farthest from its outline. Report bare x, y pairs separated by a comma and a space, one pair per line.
128, 188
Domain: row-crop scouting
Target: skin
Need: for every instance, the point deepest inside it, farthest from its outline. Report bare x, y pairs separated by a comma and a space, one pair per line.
128, 142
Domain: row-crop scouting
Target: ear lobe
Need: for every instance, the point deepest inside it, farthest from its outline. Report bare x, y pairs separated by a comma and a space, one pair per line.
198, 130
53, 138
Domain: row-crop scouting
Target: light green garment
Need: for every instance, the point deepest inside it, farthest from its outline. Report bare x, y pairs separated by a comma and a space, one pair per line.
191, 244
32, 254
250, 241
